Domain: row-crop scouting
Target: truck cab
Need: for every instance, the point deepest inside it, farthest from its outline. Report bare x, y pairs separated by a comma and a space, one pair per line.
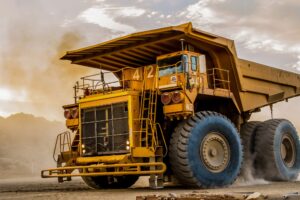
180, 75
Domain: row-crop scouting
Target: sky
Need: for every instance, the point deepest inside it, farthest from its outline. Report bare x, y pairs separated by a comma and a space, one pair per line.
34, 34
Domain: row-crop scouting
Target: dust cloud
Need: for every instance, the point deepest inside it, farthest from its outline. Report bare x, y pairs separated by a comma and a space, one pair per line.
47, 84
247, 175
26, 141
26, 145
34, 36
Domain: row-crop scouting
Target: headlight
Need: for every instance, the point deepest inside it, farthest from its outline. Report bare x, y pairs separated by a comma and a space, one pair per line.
166, 98
67, 114
177, 97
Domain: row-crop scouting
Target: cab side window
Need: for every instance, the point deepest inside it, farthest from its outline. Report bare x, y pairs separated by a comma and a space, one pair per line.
185, 60
194, 63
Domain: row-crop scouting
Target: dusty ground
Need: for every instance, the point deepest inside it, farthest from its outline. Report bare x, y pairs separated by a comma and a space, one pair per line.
36, 188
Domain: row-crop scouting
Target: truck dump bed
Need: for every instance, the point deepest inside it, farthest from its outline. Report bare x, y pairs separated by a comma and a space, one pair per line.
263, 85
253, 85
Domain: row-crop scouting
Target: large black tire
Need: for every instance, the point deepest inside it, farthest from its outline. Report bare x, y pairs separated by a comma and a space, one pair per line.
277, 150
189, 163
109, 182
248, 132
173, 157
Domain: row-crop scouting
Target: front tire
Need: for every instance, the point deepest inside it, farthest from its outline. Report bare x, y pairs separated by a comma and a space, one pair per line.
109, 182
277, 150
208, 151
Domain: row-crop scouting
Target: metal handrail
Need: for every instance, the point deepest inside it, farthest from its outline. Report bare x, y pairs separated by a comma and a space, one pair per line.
62, 140
216, 80
95, 83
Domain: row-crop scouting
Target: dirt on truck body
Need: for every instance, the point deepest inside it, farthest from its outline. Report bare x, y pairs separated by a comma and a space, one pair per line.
178, 107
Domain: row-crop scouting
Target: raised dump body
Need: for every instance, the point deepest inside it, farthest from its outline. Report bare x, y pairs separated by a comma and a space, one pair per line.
177, 106
263, 85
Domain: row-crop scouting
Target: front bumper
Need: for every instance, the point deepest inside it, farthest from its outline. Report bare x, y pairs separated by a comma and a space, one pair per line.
106, 170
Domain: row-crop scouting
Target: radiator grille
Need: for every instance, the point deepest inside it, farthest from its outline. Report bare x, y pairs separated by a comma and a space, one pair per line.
105, 129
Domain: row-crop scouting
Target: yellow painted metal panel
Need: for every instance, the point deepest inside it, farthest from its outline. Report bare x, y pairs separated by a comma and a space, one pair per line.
101, 102
72, 122
101, 159
130, 120
134, 109
107, 96
143, 152
173, 108
181, 107
150, 76
134, 78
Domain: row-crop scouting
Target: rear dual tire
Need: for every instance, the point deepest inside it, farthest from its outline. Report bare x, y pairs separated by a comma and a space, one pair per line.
248, 134
277, 150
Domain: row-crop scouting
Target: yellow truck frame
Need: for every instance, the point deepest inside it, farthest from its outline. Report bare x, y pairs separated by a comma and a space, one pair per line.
177, 89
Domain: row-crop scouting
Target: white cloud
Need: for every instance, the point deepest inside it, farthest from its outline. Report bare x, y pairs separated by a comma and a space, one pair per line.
251, 25
130, 11
263, 42
4, 113
5, 94
202, 14
10, 95
297, 64
106, 17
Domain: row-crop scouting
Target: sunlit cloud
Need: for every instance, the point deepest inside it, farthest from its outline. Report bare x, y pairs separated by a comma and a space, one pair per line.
5, 94
106, 17
297, 64
202, 14
258, 27
11, 95
4, 114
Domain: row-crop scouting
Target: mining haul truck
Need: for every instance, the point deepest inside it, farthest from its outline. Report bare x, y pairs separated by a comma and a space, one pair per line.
174, 104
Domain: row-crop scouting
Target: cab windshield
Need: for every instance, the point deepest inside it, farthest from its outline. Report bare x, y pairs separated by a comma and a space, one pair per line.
172, 65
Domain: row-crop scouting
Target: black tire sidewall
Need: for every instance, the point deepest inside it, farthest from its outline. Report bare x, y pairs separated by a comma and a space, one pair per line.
286, 172
226, 128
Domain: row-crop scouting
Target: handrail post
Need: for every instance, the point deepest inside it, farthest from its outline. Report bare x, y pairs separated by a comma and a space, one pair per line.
213, 77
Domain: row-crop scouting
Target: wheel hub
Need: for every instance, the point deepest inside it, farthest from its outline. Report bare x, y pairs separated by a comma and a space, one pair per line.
215, 152
287, 150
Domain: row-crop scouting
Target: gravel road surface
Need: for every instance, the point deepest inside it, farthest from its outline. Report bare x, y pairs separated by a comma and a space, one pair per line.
37, 188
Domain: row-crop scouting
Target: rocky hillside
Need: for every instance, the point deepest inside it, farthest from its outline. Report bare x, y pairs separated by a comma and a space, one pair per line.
26, 144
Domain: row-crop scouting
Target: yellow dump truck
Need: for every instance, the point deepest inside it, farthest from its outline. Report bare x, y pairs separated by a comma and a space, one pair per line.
174, 103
